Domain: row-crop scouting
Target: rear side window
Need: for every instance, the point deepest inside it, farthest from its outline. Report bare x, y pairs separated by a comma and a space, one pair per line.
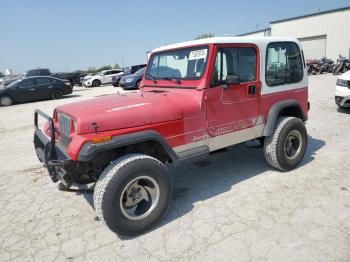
44, 72
33, 73
26, 83
43, 81
283, 64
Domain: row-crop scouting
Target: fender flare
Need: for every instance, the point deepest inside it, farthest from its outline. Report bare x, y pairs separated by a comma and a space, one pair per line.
90, 150
274, 112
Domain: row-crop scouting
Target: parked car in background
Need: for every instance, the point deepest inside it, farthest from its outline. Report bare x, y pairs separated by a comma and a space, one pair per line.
102, 78
133, 80
72, 77
34, 88
38, 72
127, 71
342, 90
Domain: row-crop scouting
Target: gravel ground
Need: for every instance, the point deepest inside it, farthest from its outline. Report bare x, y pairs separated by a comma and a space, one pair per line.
230, 206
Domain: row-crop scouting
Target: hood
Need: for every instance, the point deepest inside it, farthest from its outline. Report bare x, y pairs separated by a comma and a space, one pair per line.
345, 76
87, 77
132, 76
121, 111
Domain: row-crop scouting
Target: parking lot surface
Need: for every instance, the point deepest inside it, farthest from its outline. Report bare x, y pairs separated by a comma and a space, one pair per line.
229, 206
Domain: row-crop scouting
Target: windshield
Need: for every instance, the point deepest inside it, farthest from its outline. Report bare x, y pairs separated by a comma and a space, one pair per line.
182, 64
14, 83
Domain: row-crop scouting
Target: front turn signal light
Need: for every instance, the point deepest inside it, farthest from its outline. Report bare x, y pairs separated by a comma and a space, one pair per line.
97, 140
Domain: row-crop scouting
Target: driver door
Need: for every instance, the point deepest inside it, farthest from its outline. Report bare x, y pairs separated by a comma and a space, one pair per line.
234, 106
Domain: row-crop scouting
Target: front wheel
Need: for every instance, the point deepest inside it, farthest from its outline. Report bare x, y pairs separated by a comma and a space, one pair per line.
6, 100
132, 194
96, 83
286, 147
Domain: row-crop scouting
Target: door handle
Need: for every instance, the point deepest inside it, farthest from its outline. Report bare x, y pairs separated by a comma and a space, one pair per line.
32, 89
252, 90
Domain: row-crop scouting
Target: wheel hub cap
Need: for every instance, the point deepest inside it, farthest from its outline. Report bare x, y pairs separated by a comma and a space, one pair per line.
293, 144
5, 101
139, 198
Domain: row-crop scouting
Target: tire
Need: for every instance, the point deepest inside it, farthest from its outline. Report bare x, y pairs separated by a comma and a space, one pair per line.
286, 147
96, 83
116, 84
6, 100
56, 94
118, 184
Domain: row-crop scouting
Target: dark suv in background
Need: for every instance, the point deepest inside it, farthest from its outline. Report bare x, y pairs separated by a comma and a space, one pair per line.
127, 71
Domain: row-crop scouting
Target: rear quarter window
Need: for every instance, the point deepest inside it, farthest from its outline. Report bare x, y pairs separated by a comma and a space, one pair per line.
284, 64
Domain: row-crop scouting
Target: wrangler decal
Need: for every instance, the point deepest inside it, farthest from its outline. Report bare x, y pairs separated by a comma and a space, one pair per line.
235, 126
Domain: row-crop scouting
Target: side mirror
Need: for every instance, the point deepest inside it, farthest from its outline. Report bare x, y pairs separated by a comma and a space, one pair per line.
232, 79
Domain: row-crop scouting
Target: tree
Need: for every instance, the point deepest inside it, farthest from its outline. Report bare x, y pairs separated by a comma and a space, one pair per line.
205, 35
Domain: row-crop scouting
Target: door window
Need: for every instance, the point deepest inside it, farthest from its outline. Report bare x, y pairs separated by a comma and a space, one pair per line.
283, 64
26, 83
238, 61
43, 81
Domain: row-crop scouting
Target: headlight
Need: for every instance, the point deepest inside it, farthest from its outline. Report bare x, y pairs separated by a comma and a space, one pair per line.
128, 80
341, 82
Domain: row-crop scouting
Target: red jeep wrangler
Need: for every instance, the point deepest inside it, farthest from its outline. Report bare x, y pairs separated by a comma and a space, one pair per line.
196, 97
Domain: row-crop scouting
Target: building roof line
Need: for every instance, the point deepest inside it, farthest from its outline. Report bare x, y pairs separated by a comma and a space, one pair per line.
312, 14
257, 31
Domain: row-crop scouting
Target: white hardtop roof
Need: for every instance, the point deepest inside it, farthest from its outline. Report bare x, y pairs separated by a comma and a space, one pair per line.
258, 40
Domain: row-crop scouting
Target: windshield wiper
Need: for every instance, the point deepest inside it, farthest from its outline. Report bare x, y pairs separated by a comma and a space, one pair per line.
177, 81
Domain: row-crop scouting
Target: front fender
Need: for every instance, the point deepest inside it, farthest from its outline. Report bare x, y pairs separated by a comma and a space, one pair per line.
90, 150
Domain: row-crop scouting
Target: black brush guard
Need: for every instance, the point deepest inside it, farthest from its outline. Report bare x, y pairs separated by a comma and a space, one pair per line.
52, 155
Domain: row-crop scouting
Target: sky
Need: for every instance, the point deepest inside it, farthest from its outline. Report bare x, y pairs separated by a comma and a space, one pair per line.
68, 35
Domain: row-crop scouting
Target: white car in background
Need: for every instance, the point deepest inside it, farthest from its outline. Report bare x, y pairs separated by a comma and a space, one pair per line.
342, 90
102, 78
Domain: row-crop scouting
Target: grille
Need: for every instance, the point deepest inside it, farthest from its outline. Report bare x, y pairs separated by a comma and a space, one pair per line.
65, 123
341, 82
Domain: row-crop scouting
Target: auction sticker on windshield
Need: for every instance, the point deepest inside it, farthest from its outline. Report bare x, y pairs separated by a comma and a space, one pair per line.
198, 54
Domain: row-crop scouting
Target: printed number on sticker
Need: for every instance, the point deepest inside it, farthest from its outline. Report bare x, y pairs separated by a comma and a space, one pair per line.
198, 54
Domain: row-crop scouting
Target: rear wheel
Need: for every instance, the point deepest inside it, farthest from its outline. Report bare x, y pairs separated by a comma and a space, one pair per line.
96, 83
6, 100
286, 147
56, 94
132, 194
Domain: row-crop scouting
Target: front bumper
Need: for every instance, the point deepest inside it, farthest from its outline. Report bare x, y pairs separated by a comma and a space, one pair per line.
53, 155
87, 84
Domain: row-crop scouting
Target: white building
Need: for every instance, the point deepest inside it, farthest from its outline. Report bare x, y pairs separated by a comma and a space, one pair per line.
322, 34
